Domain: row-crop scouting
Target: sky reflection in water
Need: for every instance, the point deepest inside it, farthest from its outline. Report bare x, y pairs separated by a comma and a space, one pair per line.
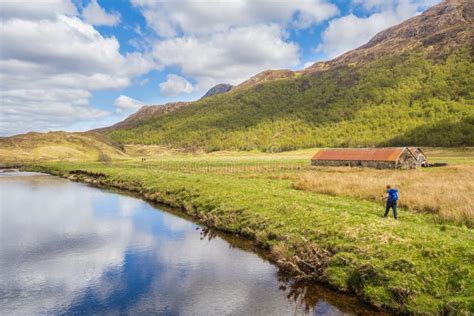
69, 248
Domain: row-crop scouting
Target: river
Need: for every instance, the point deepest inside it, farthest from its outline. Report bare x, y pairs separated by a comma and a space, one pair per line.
68, 248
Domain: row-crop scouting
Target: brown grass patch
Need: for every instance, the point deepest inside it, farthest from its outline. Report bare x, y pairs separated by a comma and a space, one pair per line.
447, 191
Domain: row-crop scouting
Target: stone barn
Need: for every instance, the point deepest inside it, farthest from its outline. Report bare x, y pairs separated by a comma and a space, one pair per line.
420, 156
380, 158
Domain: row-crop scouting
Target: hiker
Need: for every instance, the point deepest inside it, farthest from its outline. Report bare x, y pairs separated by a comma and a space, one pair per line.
392, 198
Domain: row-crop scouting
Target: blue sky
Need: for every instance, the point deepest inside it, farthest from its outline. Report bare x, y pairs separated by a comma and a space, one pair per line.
80, 64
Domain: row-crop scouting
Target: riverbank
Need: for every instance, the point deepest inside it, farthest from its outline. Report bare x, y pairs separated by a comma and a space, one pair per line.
416, 265
123, 248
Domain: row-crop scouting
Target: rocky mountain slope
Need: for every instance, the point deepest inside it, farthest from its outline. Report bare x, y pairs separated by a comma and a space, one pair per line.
440, 30
218, 89
149, 112
410, 84
145, 113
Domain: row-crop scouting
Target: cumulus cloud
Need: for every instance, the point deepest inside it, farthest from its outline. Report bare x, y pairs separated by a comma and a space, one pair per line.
50, 66
227, 41
308, 64
175, 85
386, 4
94, 14
124, 103
350, 31
170, 18
231, 56
79, 247
35, 10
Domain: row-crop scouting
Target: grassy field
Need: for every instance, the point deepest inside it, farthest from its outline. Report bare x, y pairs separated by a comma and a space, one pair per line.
446, 192
423, 263
420, 189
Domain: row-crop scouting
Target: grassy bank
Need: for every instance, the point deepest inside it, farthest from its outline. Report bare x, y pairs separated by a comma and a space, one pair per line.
419, 264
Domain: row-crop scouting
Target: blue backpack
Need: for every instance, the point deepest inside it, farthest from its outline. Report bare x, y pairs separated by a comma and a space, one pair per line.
392, 194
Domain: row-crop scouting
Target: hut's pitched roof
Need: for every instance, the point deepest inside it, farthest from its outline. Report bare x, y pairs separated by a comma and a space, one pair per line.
414, 149
365, 154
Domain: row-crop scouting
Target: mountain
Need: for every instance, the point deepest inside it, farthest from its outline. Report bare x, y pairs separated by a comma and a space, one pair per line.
410, 84
148, 112
218, 89
58, 146
446, 27
440, 30
145, 113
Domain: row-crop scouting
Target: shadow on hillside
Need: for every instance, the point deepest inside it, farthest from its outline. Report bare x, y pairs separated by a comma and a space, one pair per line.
444, 133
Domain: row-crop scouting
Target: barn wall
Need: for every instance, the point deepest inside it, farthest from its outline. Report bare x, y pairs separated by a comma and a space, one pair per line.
355, 163
419, 156
407, 161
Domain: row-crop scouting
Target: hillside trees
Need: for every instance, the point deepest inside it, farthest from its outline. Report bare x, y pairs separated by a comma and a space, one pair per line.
399, 100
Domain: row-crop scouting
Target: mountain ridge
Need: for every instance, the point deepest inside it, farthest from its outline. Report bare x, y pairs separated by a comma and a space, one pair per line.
426, 29
445, 34
409, 85
408, 31
146, 112
218, 89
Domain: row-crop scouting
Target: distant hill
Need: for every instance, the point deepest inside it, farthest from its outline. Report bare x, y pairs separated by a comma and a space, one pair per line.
410, 84
149, 112
218, 89
59, 146
145, 113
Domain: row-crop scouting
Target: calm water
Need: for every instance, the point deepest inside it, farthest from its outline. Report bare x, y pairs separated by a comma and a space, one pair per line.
67, 248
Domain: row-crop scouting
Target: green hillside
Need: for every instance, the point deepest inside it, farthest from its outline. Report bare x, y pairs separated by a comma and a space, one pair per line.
412, 98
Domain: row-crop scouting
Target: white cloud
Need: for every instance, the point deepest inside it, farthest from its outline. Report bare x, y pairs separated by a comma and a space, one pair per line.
175, 85
308, 64
388, 4
143, 82
91, 246
124, 103
229, 41
231, 56
350, 31
169, 18
29, 109
50, 66
94, 14
35, 10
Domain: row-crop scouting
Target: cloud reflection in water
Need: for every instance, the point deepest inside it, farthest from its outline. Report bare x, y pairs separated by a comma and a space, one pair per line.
68, 248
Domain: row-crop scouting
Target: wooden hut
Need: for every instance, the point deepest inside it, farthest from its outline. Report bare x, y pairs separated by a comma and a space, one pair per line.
380, 158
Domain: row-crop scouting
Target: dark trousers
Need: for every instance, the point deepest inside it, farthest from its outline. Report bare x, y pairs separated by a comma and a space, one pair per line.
391, 205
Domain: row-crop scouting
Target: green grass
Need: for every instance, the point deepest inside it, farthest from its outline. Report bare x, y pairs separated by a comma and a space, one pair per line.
417, 265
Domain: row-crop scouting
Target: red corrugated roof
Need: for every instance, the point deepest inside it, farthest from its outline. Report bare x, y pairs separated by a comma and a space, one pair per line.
366, 154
